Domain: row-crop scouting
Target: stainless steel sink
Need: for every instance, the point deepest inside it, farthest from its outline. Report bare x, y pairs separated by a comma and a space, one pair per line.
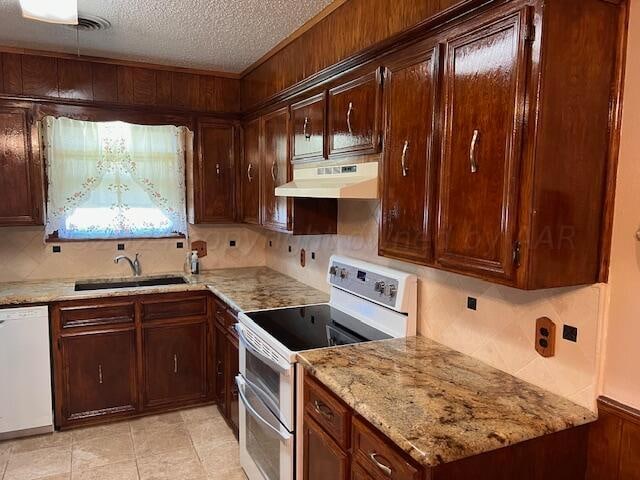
128, 283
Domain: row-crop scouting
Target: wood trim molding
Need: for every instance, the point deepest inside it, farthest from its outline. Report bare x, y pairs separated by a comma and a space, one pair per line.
308, 25
114, 61
626, 412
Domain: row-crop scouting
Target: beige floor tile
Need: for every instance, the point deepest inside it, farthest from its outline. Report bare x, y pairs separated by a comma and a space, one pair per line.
156, 421
237, 474
62, 476
29, 444
100, 431
194, 415
178, 464
5, 450
100, 451
38, 463
207, 434
117, 471
221, 459
152, 441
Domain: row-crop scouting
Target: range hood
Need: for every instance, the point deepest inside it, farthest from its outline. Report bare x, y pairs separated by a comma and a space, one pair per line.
343, 181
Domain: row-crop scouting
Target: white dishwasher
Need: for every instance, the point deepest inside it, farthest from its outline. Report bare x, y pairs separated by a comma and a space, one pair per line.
25, 372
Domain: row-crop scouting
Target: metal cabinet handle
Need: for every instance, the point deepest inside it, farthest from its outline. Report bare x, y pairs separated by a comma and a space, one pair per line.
175, 363
307, 123
349, 110
403, 160
218, 169
219, 368
249, 176
274, 169
100, 373
472, 151
322, 409
385, 468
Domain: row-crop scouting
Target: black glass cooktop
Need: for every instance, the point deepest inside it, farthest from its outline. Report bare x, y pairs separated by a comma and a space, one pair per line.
314, 326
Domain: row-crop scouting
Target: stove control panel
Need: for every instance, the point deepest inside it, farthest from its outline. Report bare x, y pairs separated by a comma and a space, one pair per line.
374, 286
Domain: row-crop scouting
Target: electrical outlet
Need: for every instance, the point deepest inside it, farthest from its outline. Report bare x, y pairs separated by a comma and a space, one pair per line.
472, 303
56, 249
570, 333
545, 337
121, 246
232, 243
179, 245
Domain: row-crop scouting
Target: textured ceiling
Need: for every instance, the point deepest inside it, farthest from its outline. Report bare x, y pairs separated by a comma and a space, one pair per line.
226, 35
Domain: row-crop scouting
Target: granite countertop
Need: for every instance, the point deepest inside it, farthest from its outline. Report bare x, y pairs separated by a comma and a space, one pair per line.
243, 289
437, 404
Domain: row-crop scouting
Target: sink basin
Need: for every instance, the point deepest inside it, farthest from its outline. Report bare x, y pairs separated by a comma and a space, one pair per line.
142, 282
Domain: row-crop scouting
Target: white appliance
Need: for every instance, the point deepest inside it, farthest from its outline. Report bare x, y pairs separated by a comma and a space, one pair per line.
367, 302
25, 372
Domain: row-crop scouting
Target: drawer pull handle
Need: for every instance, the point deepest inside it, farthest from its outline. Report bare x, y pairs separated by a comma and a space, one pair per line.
307, 124
472, 151
249, 169
386, 469
349, 110
100, 373
322, 409
403, 159
175, 363
274, 171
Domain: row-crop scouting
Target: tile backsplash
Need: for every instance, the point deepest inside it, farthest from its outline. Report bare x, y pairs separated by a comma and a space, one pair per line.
500, 332
24, 255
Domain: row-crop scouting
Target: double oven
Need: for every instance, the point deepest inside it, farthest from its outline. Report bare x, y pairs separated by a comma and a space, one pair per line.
266, 386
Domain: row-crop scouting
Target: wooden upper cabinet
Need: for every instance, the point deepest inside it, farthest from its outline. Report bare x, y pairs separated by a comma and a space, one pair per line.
410, 157
215, 173
20, 169
308, 128
275, 170
250, 172
484, 99
354, 116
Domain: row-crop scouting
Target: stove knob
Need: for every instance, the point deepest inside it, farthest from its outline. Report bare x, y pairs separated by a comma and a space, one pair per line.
379, 287
343, 273
391, 291
333, 270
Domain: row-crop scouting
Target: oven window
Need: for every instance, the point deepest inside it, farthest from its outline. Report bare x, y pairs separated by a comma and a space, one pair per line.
263, 448
263, 377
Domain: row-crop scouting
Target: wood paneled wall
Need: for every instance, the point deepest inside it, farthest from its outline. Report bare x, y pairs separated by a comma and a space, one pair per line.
70, 80
354, 26
614, 443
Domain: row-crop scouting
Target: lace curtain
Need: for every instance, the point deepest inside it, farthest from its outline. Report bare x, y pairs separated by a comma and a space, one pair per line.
114, 179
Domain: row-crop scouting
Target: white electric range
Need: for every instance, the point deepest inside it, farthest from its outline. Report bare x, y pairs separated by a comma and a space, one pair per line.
367, 302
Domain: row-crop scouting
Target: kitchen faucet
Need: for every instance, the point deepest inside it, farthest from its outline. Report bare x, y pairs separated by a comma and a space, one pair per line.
135, 264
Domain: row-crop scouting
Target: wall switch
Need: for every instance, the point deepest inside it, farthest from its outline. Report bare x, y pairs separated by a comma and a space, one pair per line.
545, 337
472, 303
303, 258
289, 248
570, 333
270, 243
313, 255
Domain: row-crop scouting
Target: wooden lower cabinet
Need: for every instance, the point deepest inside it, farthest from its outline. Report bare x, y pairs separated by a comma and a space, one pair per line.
368, 454
130, 356
233, 366
227, 367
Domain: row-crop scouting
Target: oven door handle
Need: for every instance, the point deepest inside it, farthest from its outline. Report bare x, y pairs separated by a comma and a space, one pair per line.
282, 370
284, 435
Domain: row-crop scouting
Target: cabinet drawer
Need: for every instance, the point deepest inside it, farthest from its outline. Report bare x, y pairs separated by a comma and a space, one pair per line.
327, 411
88, 315
174, 308
382, 459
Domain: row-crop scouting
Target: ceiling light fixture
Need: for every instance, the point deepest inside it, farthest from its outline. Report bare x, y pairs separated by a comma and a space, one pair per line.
51, 11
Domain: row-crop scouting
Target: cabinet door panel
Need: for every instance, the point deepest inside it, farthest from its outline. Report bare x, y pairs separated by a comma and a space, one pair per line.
250, 173
216, 173
307, 124
276, 170
354, 116
99, 371
322, 457
409, 159
233, 368
484, 86
175, 363
220, 370
19, 171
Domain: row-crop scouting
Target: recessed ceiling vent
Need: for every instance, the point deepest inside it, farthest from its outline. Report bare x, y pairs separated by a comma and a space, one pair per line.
88, 23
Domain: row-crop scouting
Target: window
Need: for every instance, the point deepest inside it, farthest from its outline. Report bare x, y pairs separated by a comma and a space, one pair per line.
114, 179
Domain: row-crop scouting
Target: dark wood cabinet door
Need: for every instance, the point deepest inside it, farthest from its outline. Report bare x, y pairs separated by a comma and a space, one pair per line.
308, 128
358, 472
233, 368
220, 370
20, 174
407, 206
354, 116
275, 170
216, 173
250, 173
484, 98
322, 457
98, 374
174, 363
